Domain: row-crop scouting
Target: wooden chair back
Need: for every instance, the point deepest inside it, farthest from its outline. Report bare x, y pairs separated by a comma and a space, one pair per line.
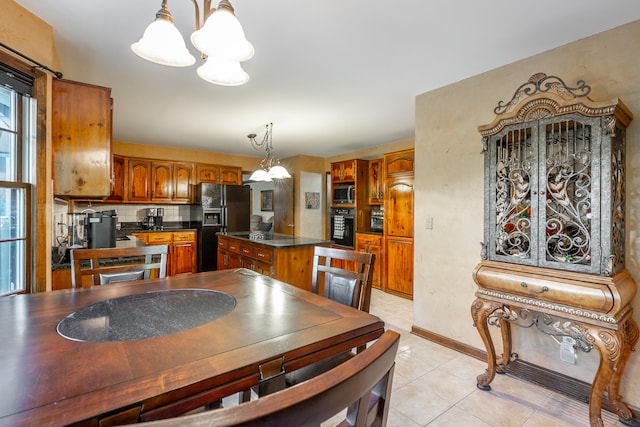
113, 265
361, 384
345, 276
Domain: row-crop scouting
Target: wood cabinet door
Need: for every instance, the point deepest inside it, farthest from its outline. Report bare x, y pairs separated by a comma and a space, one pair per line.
184, 258
398, 211
336, 172
372, 245
137, 186
182, 180
349, 171
117, 188
207, 173
162, 179
399, 266
399, 163
81, 139
283, 208
375, 182
228, 260
230, 175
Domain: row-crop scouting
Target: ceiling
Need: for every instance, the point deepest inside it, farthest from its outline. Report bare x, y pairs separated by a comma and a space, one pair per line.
332, 76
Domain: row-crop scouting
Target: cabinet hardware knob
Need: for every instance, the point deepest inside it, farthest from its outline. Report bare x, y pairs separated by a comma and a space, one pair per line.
533, 291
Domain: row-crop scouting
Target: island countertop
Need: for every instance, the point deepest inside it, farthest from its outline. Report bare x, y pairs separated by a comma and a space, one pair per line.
275, 240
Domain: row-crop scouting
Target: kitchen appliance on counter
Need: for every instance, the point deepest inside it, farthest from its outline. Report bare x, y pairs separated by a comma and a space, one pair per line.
218, 207
377, 220
343, 227
154, 220
101, 229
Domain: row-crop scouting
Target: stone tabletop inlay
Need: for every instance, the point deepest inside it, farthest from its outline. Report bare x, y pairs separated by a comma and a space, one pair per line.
146, 315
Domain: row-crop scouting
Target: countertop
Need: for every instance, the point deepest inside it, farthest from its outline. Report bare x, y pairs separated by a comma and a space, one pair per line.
275, 240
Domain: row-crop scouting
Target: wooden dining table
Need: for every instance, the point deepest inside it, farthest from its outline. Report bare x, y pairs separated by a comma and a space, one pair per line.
109, 354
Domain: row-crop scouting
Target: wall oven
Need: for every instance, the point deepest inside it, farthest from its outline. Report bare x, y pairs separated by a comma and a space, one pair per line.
343, 227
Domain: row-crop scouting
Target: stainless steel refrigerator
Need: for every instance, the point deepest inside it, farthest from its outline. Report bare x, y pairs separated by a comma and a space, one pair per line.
218, 207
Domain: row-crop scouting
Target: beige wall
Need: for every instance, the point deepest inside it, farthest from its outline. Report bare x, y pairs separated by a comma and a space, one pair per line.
449, 188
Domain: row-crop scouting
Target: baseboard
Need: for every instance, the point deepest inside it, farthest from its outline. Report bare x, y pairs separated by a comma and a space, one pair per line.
555, 381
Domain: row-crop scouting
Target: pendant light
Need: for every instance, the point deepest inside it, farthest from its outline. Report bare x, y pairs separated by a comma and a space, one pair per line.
270, 167
221, 41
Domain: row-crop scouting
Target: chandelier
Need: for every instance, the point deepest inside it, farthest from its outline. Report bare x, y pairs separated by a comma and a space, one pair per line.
221, 41
270, 167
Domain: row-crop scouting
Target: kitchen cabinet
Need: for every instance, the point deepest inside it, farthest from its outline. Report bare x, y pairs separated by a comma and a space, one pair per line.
345, 171
228, 253
81, 125
553, 255
182, 182
117, 188
218, 174
291, 264
375, 182
398, 223
157, 181
138, 179
161, 182
372, 244
182, 249
399, 163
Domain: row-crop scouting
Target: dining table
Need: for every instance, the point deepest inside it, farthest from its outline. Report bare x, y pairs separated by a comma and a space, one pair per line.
159, 348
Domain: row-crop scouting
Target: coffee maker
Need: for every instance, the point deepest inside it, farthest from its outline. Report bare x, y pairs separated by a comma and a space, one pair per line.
154, 219
101, 229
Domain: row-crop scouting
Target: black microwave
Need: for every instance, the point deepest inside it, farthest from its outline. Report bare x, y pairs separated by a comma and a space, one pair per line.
343, 195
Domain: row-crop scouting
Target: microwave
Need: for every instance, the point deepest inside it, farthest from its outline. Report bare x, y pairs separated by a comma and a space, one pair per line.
343, 195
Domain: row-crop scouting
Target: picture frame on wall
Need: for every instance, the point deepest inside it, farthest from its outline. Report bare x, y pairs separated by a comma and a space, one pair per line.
266, 200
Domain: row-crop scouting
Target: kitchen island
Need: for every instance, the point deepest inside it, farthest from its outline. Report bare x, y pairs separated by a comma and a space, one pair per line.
281, 256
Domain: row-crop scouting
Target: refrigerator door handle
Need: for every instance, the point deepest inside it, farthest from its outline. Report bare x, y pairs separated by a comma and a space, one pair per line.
224, 219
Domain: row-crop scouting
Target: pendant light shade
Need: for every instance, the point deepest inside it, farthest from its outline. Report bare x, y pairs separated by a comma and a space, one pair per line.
260, 175
278, 172
223, 72
222, 36
162, 43
221, 41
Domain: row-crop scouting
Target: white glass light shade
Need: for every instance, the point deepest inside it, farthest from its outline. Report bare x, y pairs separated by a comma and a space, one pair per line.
222, 36
278, 172
260, 175
163, 44
223, 72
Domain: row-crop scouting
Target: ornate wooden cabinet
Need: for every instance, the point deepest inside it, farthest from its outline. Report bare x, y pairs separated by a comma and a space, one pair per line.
553, 254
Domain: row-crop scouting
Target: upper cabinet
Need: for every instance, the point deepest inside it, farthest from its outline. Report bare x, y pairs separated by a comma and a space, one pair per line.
554, 184
158, 181
218, 174
345, 171
182, 182
81, 139
137, 183
117, 179
399, 163
375, 182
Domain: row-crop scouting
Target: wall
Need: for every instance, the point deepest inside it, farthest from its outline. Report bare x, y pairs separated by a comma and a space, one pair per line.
309, 220
449, 188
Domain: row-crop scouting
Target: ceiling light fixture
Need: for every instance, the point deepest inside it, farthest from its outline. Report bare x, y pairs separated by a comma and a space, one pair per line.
270, 167
221, 41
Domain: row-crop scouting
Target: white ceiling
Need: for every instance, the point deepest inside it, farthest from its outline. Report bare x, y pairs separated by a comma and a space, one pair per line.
333, 76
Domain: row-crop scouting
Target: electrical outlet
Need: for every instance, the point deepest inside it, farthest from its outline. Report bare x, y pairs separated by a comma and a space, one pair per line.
429, 223
567, 351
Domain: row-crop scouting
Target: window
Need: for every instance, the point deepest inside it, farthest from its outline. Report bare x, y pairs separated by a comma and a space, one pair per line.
17, 177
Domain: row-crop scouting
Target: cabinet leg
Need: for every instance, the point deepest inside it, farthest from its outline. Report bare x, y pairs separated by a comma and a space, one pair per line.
480, 311
610, 346
629, 338
503, 361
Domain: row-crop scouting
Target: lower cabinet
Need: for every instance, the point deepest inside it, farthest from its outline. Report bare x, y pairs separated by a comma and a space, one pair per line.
372, 244
182, 257
399, 266
290, 264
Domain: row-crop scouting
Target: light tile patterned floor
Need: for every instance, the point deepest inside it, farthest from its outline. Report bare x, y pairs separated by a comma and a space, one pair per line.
435, 386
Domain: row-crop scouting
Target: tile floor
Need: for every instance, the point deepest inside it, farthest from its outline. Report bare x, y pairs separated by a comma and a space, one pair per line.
435, 386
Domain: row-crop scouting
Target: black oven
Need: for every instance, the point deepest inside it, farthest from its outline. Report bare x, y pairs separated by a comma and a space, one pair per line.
343, 227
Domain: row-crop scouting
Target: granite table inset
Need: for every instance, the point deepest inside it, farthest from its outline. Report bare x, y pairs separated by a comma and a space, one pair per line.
146, 315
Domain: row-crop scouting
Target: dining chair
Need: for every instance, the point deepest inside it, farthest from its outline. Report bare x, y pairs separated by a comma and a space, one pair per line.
361, 384
114, 265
